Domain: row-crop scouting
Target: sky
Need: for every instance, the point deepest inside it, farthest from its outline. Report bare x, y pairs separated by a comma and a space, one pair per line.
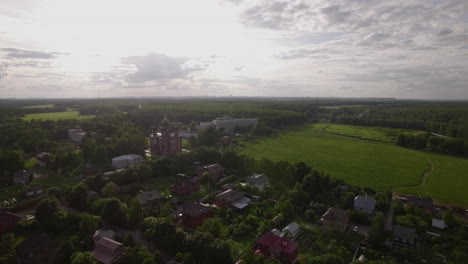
414, 49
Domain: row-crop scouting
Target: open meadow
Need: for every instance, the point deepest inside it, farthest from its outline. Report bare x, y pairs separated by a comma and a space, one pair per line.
372, 133
382, 166
57, 116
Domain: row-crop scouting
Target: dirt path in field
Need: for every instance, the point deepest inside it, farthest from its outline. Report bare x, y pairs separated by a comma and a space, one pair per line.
423, 180
324, 130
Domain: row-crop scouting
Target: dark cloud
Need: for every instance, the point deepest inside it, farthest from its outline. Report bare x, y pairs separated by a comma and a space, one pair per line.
29, 54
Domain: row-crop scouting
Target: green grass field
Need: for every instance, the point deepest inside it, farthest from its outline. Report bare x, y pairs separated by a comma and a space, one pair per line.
382, 166
373, 133
38, 106
57, 116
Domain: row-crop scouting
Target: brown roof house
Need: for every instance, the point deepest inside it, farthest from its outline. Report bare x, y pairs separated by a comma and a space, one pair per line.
8, 221
425, 203
44, 158
336, 219
215, 171
194, 214
107, 251
149, 199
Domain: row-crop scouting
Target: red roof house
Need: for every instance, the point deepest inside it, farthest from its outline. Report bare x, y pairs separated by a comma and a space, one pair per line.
185, 187
281, 248
107, 251
8, 221
194, 214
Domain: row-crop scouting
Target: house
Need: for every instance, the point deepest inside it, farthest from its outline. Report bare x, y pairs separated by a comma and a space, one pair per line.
33, 190
228, 186
43, 158
8, 221
36, 249
292, 230
364, 204
125, 161
404, 236
194, 214
425, 203
149, 199
76, 134
185, 186
278, 247
260, 181
336, 219
187, 134
23, 177
438, 223
103, 233
228, 124
166, 141
232, 198
215, 171
107, 251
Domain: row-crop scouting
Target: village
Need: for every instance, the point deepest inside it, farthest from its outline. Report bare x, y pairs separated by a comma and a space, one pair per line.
227, 202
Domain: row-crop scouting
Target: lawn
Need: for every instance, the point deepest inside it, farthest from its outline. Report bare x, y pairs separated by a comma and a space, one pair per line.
38, 106
382, 166
373, 133
57, 116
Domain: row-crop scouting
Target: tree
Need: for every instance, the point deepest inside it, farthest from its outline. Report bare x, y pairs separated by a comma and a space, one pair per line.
64, 252
136, 213
83, 258
376, 232
213, 226
110, 190
46, 208
137, 254
89, 224
114, 211
78, 197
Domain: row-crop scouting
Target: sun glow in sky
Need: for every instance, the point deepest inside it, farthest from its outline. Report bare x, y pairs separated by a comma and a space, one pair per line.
57, 48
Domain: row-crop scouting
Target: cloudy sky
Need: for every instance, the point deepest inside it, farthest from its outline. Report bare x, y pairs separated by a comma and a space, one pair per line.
343, 48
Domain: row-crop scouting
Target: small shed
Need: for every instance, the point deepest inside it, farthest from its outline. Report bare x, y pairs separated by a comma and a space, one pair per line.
438, 223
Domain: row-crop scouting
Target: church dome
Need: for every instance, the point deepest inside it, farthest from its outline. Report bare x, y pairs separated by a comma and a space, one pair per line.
165, 123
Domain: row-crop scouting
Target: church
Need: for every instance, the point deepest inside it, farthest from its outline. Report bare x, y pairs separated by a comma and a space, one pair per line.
166, 141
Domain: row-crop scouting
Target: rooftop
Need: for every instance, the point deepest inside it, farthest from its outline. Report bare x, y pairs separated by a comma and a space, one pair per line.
195, 209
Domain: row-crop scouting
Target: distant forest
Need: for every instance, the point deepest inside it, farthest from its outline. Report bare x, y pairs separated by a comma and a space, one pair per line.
446, 123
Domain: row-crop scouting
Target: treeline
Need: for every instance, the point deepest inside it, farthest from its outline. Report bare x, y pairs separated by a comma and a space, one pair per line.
454, 146
447, 119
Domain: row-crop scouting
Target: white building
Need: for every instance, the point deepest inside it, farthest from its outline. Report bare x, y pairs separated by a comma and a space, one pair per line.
228, 124
260, 181
205, 125
364, 203
76, 134
292, 230
187, 133
438, 223
126, 161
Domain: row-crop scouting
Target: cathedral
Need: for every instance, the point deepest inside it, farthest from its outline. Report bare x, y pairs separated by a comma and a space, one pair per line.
166, 141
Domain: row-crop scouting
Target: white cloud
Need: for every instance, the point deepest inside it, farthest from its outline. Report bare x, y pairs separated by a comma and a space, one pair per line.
401, 48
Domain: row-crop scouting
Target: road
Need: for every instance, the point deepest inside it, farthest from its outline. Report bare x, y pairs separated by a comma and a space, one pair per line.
389, 219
